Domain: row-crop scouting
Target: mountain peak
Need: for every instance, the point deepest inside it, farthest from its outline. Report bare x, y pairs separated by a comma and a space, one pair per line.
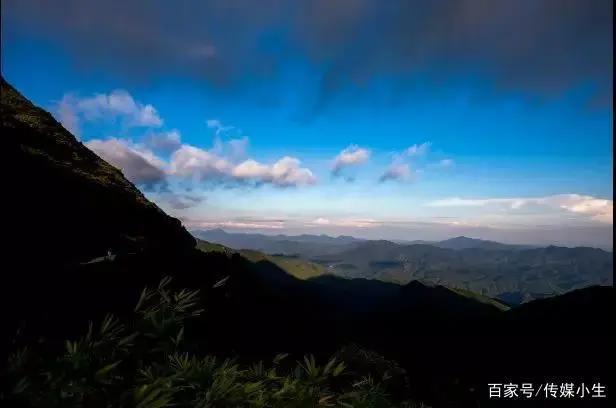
463, 242
71, 194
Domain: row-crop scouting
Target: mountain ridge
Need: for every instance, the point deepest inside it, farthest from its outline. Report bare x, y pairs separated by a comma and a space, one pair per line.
77, 185
512, 273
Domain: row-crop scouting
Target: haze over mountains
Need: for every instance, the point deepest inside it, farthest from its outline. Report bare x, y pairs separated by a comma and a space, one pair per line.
511, 273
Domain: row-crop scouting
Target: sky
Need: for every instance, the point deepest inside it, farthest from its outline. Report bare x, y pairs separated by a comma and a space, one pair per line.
392, 120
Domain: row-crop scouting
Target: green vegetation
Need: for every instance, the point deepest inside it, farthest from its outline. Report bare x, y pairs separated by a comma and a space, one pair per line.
480, 298
149, 363
294, 266
512, 273
206, 246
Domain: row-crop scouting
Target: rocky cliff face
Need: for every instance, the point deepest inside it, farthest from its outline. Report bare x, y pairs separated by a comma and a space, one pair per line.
67, 204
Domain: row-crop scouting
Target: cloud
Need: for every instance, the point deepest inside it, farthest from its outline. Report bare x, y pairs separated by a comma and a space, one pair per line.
418, 150
139, 165
597, 209
182, 201
118, 104
351, 156
233, 148
166, 142
202, 165
218, 126
235, 224
198, 164
67, 115
142, 166
446, 163
397, 172
283, 173
345, 222
321, 221
563, 44
219, 165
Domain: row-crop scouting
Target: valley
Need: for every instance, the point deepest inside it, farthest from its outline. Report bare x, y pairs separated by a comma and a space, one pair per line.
513, 274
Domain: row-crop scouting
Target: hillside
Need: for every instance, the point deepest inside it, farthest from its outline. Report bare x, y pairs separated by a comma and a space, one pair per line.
512, 273
64, 188
466, 243
294, 266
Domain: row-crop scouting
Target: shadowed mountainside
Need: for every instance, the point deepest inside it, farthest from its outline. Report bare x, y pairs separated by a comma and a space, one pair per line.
63, 186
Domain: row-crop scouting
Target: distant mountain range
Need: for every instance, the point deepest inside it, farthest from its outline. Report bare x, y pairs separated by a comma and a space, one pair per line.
299, 245
269, 243
511, 273
468, 243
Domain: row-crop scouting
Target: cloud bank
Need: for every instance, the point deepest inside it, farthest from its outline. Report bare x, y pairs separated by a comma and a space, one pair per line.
139, 165
596, 209
539, 47
199, 166
119, 104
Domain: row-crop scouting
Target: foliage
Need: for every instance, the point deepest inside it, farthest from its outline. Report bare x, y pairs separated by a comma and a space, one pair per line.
146, 363
299, 268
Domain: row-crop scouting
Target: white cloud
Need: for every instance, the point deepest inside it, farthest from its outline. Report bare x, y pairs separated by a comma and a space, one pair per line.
251, 169
418, 149
271, 225
345, 222
285, 172
321, 221
147, 116
164, 141
117, 104
139, 165
597, 209
193, 162
397, 172
446, 163
351, 156
225, 162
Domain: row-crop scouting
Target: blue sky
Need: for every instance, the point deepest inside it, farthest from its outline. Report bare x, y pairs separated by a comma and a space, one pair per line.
382, 138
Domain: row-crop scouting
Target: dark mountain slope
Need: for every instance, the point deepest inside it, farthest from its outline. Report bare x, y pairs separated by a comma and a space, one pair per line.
584, 308
81, 205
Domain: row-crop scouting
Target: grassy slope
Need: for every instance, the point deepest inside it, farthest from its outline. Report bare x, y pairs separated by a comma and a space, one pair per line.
480, 298
296, 267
